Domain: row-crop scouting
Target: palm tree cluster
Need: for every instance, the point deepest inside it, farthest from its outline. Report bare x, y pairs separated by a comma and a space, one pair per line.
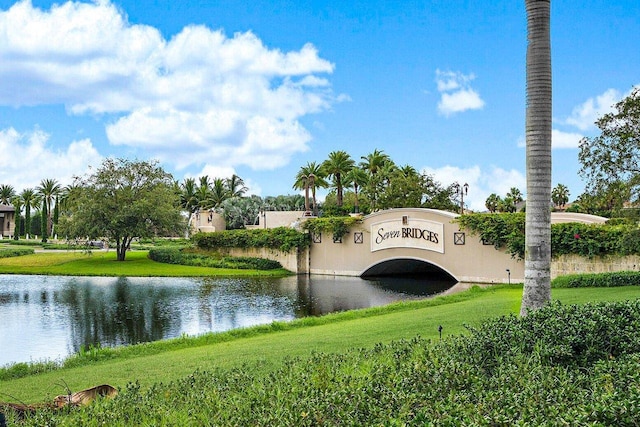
45, 199
207, 194
375, 182
509, 203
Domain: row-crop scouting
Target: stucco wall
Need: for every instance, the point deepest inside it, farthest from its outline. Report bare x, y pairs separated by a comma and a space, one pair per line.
463, 256
295, 261
574, 264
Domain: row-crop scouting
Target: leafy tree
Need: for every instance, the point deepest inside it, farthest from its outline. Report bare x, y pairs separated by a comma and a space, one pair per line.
293, 202
123, 200
6, 194
560, 195
493, 202
336, 167
537, 262
188, 191
204, 193
614, 155
515, 195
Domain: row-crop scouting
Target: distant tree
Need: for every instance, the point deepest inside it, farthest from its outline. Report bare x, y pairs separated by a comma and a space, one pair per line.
356, 178
218, 192
373, 162
29, 201
6, 194
204, 193
614, 155
235, 186
17, 206
123, 200
309, 178
493, 202
336, 167
43, 221
48, 190
188, 191
560, 195
515, 195
239, 212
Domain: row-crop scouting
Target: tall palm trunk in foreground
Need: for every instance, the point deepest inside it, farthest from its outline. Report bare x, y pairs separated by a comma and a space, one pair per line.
537, 263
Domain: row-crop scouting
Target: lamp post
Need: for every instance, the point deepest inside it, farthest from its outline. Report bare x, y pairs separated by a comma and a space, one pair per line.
509, 275
461, 190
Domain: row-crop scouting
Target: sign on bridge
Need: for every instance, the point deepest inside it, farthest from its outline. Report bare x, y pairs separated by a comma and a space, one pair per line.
407, 233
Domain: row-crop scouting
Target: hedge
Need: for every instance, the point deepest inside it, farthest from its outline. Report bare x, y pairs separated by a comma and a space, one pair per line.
284, 239
179, 256
597, 280
13, 252
506, 230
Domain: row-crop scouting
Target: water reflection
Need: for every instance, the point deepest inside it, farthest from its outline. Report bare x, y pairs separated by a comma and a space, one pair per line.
44, 317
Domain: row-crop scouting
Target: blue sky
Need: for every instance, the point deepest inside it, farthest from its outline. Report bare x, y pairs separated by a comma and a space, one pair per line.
260, 88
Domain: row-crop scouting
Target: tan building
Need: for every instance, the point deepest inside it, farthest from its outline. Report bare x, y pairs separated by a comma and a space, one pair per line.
7, 221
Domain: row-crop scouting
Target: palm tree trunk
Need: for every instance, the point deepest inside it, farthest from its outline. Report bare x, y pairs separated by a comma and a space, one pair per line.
537, 264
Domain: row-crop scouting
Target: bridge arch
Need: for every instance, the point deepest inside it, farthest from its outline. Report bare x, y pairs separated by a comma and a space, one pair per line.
408, 266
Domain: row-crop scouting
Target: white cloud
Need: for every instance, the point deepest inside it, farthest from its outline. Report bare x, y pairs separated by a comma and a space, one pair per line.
456, 94
481, 182
199, 98
32, 159
585, 115
560, 139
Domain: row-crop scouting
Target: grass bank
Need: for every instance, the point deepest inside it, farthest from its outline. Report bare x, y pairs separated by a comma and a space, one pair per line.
104, 263
264, 349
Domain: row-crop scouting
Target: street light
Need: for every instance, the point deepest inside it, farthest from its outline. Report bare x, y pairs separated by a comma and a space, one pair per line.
509, 275
461, 190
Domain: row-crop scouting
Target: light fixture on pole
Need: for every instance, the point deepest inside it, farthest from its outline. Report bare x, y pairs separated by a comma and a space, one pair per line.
461, 190
509, 275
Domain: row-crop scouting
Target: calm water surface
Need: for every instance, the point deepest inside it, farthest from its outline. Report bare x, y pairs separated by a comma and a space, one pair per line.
49, 317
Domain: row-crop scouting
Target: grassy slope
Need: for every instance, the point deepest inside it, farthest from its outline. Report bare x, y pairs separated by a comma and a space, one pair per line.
100, 263
344, 331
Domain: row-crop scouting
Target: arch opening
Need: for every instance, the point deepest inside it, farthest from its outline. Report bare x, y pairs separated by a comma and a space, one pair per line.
410, 276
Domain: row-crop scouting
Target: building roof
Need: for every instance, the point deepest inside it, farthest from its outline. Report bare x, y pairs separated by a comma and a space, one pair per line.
7, 208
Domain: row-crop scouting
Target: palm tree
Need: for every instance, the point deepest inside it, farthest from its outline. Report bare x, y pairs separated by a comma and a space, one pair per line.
492, 202
537, 262
48, 190
235, 186
189, 199
310, 177
336, 166
372, 162
560, 195
6, 194
357, 178
219, 192
204, 193
29, 200
17, 204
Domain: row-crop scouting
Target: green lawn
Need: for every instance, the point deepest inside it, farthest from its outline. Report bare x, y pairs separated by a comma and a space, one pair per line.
333, 333
101, 263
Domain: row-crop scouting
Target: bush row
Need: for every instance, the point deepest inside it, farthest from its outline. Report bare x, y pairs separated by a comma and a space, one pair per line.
598, 280
507, 231
562, 365
283, 238
12, 252
178, 256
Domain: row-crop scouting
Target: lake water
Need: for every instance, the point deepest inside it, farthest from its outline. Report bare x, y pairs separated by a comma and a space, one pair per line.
51, 317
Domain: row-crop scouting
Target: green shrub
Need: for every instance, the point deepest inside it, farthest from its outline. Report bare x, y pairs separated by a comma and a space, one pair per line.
562, 365
284, 239
598, 280
13, 252
179, 256
506, 230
